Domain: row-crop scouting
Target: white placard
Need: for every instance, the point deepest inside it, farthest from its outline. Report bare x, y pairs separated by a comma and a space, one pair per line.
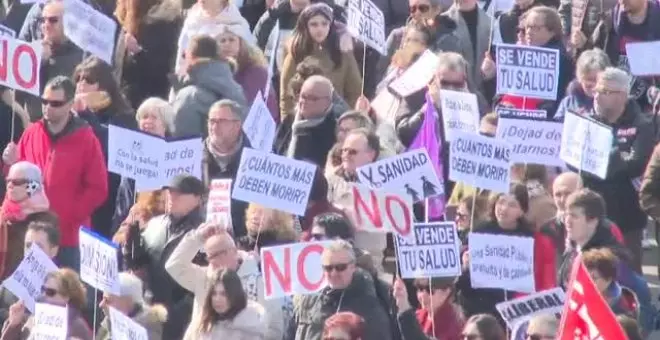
124, 327
271, 61
51, 322
503, 262
99, 265
385, 105
460, 112
274, 181
480, 161
433, 251
382, 211
586, 144
7, 32
152, 161
642, 59
90, 29
411, 173
20, 68
259, 125
527, 71
417, 76
218, 207
367, 23
26, 281
533, 141
522, 309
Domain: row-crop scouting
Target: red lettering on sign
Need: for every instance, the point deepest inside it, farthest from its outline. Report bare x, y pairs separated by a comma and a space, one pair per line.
359, 206
375, 205
3, 63
20, 79
270, 267
302, 276
389, 200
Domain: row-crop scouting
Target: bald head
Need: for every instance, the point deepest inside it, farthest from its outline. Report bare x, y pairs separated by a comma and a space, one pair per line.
564, 185
221, 251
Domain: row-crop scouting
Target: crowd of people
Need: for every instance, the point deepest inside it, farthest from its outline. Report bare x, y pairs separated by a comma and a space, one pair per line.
183, 68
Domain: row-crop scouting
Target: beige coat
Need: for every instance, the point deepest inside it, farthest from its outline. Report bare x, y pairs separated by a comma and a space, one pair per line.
247, 325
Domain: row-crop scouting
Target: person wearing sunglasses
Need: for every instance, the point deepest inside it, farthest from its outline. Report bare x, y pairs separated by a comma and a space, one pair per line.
483, 327
62, 288
344, 326
349, 289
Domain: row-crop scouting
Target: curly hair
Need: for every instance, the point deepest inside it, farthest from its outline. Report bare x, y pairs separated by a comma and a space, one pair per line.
69, 285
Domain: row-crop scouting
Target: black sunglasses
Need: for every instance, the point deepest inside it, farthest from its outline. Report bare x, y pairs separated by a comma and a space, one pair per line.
50, 292
339, 267
452, 84
87, 78
50, 20
421, 8
52, 103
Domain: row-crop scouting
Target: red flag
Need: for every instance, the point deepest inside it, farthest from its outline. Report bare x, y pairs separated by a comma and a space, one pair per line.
586, 315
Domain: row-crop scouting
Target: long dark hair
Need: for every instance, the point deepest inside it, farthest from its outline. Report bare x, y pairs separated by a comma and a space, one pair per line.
519, 191
302, 44
235, 294
489, 328
96, 70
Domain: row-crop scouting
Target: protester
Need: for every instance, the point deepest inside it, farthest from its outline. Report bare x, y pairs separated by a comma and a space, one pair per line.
344, 326
347, 122
310, 66
542, 327
483, 326
649, 191
61, 288
582, 38
259, 219
471, 212
130, 302
506, 25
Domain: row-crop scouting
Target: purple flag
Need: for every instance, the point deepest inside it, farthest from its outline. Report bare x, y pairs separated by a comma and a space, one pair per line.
427, 137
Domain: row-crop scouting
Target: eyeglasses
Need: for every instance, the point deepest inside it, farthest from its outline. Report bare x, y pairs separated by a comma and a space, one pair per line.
607, 92
452, 84
422, 288
461, 217
349, 151
533, 27
87, 79
49, 292
535, 336
338, 267
17, 181
423, 8
50, 20
52, 103
311, 97
221, 121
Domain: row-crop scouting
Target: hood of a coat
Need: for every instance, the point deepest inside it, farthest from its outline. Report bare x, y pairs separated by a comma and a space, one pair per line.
207, 74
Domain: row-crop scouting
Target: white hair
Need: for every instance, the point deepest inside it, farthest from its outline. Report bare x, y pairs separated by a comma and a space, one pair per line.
28, 171
594, 60
616, 76
318, 79
452, 61
160, 107
338, 246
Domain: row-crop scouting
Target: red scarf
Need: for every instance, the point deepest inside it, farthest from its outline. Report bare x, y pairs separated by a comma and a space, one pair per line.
448, 322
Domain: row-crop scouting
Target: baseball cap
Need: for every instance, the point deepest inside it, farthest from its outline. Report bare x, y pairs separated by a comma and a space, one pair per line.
186, 184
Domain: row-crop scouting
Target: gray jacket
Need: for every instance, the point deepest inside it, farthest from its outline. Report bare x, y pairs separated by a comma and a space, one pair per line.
205, 83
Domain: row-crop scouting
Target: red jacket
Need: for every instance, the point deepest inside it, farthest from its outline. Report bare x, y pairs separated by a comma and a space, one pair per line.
74, 172
545, 265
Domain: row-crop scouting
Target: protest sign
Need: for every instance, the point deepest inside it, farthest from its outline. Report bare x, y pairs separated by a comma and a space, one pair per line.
90, 29
586, 144
460, 112
382, 211
522, 309
99, 266
532, 141
417, 76
367, 23
503, 262
7, 32
152, 161
20, 64
292, 269
509, 112
272, 58
26, 281
642, 59
124, 327
218, 207
259, 125
527, 71
480, 161
434, 251
51, 322
411, 173
385, 105
274, 181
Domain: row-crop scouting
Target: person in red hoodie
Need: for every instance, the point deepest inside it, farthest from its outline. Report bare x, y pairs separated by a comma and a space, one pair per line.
69, 155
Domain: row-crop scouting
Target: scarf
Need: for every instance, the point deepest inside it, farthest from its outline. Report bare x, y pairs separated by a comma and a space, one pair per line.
224, 159
299, 126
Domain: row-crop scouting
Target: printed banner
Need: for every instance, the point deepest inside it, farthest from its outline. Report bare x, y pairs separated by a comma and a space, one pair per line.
411, 173
382, 211
434, 251
527, 71
51, 322
20, 65
259, 125
586, 144
218, 207
503, 262
522, 309
507, 112
124, 327
480, 161
26, 281
533, 141
367, 23
274, 181
460, 112
99, 265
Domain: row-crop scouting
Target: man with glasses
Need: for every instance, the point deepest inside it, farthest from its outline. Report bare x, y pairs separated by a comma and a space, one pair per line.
349, 289
69, 155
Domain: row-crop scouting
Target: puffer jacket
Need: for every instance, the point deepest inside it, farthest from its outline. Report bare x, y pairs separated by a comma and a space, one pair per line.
149, 317
247, 325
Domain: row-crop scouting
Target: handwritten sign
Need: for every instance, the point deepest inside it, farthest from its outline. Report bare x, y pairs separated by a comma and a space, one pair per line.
99, 266
508, 112
460, 112
90, 29
274, 181
434, 251
382, 211
26, 281
480, 161
218, 207
51, 322
417, 76
532, 141
20, 64
643, 58
527, 71
124, 327
259, 125
504, 262
586, 144
367, 23
522, 309
152, 161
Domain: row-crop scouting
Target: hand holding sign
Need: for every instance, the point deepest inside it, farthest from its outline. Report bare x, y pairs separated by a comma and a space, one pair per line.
488, 67
400, 294
16, 313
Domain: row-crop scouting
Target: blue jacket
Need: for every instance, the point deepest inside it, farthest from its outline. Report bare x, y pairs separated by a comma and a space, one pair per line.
576, 101
628, 278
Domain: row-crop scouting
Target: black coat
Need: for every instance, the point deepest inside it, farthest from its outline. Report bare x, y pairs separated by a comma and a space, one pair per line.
313, 144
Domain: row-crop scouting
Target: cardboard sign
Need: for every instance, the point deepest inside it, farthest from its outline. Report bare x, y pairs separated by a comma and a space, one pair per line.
527, 71
292, 269
411, 173
20, 65
480, 161
643, 58
124, 327
259, 125
417, 76
503, 262
274, 181
533, 141
434, 251
367, 23
26, 281
586, 144
51, 322
523, 309
460, 112
382, 212
218, 207
99, 265
90, 29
